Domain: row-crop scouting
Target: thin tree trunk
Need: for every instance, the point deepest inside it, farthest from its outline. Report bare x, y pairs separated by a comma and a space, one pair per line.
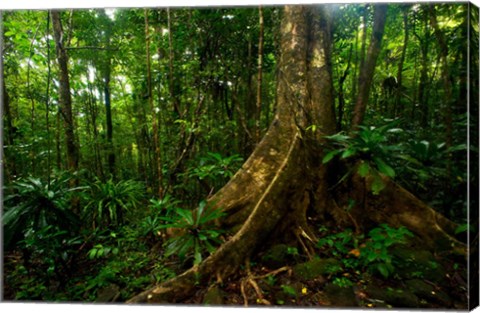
400, 63
367, 71
93, 112
259, 75
341, 93
248, 105
33, 153
108, 117
462, 65
156, 145
171, 77
355, 73
107, 72
447, 85
8, 138
64, 94
58, 144
364, 36
422, 86
47, 99
9, 134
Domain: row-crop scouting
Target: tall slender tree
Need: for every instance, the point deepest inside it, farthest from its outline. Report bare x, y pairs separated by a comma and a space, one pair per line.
153, 112
367, 70
258, 108
65, 101
398, 91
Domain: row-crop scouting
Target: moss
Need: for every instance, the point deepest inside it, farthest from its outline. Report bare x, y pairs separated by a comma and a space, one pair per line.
214, 296
418, 262
428, 292
341, 296
108, 294
316, 267
395, 297
278, 256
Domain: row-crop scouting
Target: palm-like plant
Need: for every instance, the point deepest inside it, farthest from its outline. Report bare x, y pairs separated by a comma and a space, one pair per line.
32, 204
110, 201
371, 146
196, 233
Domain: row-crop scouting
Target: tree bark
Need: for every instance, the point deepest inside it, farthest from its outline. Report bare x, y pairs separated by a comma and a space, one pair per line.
64, 94
368, 68
341, 93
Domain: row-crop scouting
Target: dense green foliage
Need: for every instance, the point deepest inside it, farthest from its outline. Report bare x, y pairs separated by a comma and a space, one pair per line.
69, 235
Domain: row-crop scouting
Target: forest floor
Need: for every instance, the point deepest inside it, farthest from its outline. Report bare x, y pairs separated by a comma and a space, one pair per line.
281, 276
423, 280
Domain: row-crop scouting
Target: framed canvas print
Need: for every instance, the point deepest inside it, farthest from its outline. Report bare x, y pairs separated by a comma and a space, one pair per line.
320, 155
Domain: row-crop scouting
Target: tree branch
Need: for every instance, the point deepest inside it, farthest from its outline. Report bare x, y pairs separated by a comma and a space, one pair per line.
91, 48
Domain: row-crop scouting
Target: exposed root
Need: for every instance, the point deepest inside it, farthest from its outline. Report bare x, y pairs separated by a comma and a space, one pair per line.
251, 280
398, 207
304, 246
267, 212
244, 295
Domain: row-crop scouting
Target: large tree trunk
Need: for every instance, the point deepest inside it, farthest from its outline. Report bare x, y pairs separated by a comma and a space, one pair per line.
283, 179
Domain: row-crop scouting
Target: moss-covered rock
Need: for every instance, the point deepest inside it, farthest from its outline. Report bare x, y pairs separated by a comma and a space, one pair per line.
279, 255
428, 292
418, 263
315, 268
214, 296
341, 296
108, 294
396, 297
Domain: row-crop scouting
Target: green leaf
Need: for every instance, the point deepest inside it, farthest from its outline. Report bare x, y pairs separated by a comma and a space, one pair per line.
187, 215
329, 156
201, 207
338, 137
10, 33
197, 255
349, 152
363, 169
92, 253
408, 159
395, 130
289, 290
384, 168
461, 228
383, 269
461, 147
377, 185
